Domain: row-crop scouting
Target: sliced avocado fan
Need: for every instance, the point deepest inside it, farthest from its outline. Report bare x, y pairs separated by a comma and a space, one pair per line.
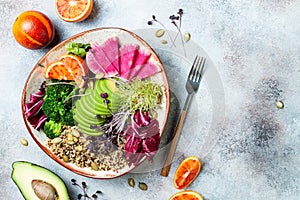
36, 182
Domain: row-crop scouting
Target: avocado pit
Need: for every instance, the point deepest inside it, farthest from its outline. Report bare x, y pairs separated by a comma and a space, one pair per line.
44, 190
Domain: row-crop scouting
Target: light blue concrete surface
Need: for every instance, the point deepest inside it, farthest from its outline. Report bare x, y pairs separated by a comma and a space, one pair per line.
250, 149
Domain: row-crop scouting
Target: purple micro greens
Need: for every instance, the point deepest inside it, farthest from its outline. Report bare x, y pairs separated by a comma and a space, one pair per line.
173, 18
85, 195
162, 25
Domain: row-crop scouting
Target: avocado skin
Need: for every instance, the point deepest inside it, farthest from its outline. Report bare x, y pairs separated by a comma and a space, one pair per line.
24, 172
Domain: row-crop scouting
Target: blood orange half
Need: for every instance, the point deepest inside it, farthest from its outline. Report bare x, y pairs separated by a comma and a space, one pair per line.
186, 195
73, 10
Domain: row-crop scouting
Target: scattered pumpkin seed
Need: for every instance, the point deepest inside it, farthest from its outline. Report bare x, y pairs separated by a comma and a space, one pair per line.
24, 142
143, 186
159, 33
279, 104
94, 166
65, 158
131, 182
164, 41
187, 37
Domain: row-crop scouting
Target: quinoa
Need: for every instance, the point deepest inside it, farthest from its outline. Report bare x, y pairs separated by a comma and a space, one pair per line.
94, 152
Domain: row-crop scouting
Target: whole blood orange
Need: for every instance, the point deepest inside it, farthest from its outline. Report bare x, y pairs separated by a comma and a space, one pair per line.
73, 10
186, 195
186, 172
33, 30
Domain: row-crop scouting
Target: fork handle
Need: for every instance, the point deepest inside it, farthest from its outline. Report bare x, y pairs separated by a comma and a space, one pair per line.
167, 165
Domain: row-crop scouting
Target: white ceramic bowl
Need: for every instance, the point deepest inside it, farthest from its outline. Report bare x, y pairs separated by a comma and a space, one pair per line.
36, 77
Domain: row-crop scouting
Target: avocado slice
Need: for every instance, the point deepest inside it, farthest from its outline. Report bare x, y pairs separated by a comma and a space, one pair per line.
36, 182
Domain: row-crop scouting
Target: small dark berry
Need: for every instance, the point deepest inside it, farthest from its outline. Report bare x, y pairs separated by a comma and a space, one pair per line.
73, 180
180, 11
83, 184
153, 17
79, 196
104, 95
94, 196
149, 23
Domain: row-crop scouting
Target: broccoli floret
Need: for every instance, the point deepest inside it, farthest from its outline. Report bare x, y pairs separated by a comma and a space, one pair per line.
56, 105
52, 129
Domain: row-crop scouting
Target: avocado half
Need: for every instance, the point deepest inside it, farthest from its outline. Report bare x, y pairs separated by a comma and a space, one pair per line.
36, 182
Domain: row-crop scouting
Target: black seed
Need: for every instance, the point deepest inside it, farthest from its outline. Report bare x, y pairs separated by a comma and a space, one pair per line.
94, 196
99, 192
149, 23
73, 180
83, 184
79, 196
153, 17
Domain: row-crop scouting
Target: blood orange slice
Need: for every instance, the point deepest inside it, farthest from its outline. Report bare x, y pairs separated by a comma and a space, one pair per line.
186, 172
186, 195
76, 66
73, 10
57, 70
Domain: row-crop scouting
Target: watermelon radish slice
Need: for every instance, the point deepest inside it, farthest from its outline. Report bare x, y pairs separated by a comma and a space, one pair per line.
98, 62
140, 59
143, 71
111, 50
127, 57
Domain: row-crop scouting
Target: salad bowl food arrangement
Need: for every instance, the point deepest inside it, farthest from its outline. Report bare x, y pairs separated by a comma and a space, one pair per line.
98, 102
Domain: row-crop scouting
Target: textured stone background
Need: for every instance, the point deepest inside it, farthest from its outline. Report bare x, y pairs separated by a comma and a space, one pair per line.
255, 48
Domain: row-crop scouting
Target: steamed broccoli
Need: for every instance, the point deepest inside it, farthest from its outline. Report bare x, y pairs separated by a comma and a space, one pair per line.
56, 105
52, 129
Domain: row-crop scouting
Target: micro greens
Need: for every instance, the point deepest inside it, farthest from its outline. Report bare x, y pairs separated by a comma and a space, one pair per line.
141, 95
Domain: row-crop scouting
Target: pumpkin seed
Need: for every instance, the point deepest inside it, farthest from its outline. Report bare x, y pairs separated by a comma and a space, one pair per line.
143, 186
279, 104
24, 142
164, 41
70, 137
94, 166
75, 133
187, 37
131, 182
78, 148
65, 158
56, 140
159, 33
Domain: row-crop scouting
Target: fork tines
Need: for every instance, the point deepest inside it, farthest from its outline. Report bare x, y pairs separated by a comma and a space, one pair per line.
197, 68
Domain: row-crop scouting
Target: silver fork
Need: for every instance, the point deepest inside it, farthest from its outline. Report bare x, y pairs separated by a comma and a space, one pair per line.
192, 85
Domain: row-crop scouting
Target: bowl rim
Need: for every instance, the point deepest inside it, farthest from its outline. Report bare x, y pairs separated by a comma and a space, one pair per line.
59, 45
